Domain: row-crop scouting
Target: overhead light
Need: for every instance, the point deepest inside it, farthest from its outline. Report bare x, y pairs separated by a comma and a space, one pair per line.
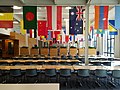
16, 7
67, 7
15, 22
1, 14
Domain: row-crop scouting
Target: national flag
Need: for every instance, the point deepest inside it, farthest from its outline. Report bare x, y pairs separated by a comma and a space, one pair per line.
31, 33
112, 29
59, 17
66, 38
117, 17
35, 33
42, 28
22, 30
54, 17
101, 17
75, 22
6, 17
30, 17
49, 35
100, 31
91, 31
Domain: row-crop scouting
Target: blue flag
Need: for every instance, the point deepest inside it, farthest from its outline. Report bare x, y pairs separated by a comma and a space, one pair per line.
49, 35
117, 17
75, 25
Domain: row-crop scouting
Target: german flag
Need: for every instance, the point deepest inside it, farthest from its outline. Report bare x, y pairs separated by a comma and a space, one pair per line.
6, 17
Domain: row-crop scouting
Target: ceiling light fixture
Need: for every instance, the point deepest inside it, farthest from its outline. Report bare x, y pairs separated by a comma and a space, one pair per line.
16, 7
68, 7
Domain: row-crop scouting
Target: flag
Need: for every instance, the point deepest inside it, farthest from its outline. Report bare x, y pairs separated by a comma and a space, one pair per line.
22, 30
31, 32
35, 33
91, 31
79, 27
49, 17
59, 17
42, 28
100, 31
49, 36
101, 17
54, 17
75, 22
112, 29
30, 17
117, 17
6, 17
66, 38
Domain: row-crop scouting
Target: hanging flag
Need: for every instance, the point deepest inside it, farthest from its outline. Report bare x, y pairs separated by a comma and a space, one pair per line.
30, 33
30, 17
49, 17
6, 17
75, 22
66, 38
117, 17
112, 29
22, 30
100, 31
91, 31
59, 17
49, 36
35, 33
42, 28
101, 17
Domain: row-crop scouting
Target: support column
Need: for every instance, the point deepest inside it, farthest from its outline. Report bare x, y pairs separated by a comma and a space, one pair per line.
117, 45
101, 45
86, 33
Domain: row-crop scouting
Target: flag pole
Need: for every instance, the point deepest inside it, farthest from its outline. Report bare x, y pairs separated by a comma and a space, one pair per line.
86, 33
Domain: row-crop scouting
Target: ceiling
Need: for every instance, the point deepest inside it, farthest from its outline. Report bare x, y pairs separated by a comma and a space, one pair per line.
41, 9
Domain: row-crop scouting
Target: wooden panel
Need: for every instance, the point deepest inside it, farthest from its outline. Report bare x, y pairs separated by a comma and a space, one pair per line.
0, 44
44, 51
53, 51
34, 51
20, 37
90, 51
5, 50
24, 51
16, 47
32, 42
73, 51
63, 51
81, 51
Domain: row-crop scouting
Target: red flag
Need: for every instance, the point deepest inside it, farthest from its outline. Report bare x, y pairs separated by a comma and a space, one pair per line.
30, 33
49, 17
42, 28
59, 17
67, 38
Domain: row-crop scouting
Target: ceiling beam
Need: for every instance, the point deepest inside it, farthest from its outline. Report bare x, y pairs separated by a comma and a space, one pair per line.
11, 3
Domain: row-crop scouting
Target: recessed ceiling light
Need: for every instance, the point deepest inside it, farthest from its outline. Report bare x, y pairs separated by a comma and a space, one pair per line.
16, 7
67, 7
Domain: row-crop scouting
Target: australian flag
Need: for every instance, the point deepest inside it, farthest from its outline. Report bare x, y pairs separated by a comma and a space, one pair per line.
76, 21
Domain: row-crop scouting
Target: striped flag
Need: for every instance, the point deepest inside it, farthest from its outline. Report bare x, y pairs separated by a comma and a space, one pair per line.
112, 29
6, 17
54, 20
101, 17
22, 30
